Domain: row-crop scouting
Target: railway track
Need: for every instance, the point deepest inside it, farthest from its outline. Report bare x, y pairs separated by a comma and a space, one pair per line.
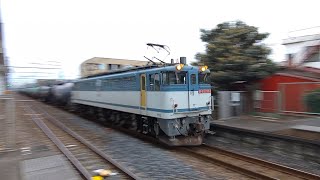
81, 153
252, 167
229, 174
247, 166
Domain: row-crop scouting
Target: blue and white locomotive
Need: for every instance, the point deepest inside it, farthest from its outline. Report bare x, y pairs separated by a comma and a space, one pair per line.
171, 102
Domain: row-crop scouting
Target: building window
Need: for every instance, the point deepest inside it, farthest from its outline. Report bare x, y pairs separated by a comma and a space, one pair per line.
114, 66
102, 66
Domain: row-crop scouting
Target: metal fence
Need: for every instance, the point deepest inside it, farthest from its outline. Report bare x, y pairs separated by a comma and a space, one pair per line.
266, 101
7, 123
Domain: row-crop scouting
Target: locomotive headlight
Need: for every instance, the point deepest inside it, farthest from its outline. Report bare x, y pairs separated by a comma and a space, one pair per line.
179, 67
203, 68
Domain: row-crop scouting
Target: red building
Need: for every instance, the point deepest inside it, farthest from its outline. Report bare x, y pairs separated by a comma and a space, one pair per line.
285, 91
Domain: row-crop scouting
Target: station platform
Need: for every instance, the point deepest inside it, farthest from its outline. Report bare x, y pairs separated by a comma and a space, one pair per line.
25, 151
17, 165
304, 127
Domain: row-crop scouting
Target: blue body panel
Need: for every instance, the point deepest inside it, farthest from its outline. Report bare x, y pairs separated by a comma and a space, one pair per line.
129, 81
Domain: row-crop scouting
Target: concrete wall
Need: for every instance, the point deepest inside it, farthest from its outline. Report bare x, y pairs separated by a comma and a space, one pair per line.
230, 105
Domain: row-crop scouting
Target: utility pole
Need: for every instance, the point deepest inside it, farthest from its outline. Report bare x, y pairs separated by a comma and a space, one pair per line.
3, 69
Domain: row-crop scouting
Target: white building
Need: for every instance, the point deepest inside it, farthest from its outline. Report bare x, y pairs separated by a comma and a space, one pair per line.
99, 65
303, 51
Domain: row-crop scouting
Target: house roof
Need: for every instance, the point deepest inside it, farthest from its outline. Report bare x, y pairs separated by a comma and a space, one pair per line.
299, 39
301, 73
115, 61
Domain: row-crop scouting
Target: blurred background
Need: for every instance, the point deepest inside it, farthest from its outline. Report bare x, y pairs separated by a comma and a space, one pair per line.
58, 40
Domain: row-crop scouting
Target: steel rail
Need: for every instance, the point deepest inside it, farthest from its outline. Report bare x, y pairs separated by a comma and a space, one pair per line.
60, 145
87, 143
268, 164
229, 166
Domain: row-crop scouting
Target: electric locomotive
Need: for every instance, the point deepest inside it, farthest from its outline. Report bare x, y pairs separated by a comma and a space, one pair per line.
171, 102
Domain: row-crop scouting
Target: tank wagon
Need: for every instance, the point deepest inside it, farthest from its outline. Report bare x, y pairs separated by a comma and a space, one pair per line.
41, 92
60, 94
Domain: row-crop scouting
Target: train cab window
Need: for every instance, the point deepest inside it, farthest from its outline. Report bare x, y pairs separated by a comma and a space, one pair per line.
203, 78
154, 82
193, 79
157, 82
151, 82
169, 78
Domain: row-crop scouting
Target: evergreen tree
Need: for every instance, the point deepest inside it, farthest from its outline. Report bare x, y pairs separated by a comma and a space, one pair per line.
234, 53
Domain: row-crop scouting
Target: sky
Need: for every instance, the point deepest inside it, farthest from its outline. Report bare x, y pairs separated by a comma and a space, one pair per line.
63, 33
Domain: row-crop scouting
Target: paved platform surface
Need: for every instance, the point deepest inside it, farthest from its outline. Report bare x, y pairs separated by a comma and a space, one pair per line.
25, 152
298, 126
18, 165
307, 128
49, 167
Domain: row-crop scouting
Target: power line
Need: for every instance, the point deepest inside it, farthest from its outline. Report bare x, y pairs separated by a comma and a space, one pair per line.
31, 67
304, 29
31, 78
32, 72
46, 64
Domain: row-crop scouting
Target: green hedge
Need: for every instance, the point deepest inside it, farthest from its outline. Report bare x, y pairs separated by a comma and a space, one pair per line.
312, 100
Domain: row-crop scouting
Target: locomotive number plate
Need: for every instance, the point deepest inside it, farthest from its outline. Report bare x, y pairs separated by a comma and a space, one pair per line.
204, 91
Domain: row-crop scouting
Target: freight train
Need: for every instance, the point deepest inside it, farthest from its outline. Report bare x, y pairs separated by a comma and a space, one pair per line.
171, 102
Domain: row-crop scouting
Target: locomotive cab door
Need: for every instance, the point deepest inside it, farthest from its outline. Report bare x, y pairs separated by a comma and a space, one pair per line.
143, 95
193, 87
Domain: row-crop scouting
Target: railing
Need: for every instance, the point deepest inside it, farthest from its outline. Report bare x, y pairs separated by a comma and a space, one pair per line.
267, 101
